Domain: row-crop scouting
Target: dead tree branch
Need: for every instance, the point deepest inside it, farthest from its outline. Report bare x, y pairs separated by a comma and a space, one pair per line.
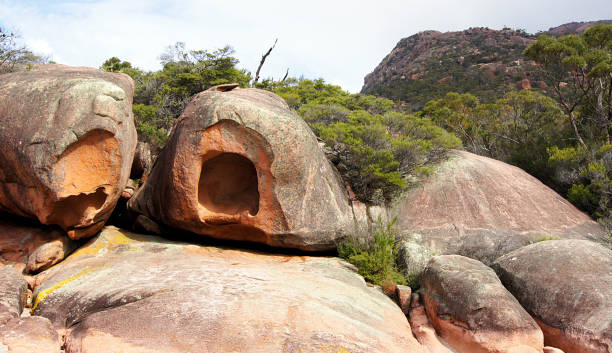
263, 59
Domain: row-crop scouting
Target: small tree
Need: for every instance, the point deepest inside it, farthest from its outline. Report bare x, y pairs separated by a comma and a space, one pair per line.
13, 54
578, 68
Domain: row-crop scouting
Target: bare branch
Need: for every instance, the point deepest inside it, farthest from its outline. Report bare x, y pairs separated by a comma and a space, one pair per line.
263, 59
286, 74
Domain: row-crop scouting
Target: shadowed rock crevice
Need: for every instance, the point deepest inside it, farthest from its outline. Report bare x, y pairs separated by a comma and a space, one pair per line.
73, 209
228, 184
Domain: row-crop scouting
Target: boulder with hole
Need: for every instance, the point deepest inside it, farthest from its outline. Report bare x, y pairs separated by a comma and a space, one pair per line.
68, 140
241, 165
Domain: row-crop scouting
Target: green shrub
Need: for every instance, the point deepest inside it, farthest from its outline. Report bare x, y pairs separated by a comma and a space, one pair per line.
375, 259
375, 148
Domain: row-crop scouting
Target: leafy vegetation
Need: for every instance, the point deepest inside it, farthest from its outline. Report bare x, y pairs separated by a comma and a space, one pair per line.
160, 97
376, 257
517, 128
378, 150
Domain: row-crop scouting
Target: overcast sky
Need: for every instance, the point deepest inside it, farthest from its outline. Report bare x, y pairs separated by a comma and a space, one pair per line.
340, 41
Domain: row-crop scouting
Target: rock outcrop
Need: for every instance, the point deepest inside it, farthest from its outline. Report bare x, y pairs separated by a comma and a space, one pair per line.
566, 285
481, 61
33, 334
37, 247
143, 294
13, 293
241, 165
423, 330
472, 311
68, 140
483, 208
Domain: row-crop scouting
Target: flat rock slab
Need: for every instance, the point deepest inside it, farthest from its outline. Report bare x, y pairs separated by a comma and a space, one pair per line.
143, 294
483, 208
13, 293
68, 140
566, 285
241, 165
33, 334
472, 311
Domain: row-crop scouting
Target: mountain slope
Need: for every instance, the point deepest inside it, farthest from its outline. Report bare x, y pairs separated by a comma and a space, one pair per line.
481, 61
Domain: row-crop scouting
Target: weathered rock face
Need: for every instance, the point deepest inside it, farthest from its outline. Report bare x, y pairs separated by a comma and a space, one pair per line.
483, 208
411, 259
29, 335
13, 292
68, 140
424, 331
144, 294
566, 285
471, 309
29, 243
240, 165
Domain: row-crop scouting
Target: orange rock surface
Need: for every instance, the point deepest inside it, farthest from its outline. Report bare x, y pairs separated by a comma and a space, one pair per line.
566, 285
68, 142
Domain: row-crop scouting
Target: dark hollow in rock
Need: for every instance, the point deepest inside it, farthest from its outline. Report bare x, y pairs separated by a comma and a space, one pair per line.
228, 184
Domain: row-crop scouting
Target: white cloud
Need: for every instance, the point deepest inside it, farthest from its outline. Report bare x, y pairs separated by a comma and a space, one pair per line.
340, 41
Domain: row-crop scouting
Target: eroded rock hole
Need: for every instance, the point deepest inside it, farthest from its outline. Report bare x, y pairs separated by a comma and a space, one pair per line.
228, 184
72, 210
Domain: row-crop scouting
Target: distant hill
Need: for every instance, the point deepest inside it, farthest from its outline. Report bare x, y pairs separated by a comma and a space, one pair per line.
481, 61
573, 28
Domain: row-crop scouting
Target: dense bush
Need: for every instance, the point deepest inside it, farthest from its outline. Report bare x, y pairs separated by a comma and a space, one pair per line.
161, 96
376, 149
518, 128
376, 258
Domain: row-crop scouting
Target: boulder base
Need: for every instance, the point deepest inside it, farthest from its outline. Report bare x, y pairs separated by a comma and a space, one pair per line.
38, 247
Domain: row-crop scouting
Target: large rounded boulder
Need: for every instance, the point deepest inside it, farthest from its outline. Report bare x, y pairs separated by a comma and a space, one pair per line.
68, 140
241, 165
483, 208
471, 309
566, 285
138, 293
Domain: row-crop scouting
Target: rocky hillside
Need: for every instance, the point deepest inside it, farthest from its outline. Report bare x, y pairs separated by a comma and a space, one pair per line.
481, 61
573, 28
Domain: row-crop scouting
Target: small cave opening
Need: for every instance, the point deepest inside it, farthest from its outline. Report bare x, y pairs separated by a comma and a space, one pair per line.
228, 184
